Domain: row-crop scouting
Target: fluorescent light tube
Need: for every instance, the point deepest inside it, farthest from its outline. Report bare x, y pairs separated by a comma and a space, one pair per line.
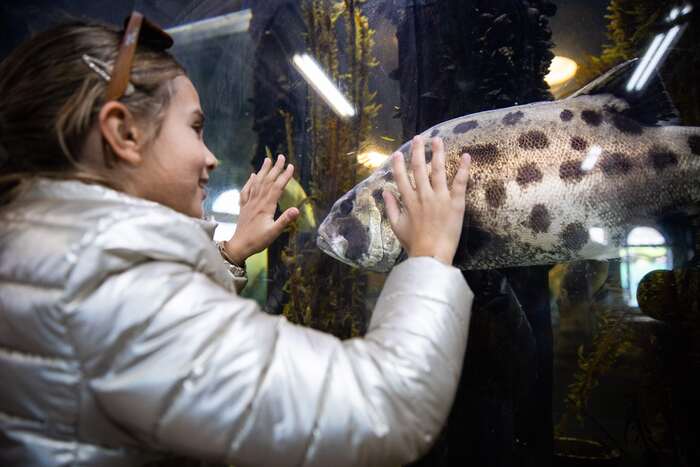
317, 79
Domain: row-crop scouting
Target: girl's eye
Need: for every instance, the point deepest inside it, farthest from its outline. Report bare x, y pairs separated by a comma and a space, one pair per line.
199, 128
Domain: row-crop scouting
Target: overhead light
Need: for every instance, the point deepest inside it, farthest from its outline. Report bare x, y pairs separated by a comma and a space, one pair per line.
591, 158
561, 70
209, 28
642, 65
658, 51
674, 14
227, 202
660, 55
372, 159
317, 79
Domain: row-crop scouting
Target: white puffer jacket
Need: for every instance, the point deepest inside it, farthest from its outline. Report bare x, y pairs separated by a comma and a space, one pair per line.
122, 340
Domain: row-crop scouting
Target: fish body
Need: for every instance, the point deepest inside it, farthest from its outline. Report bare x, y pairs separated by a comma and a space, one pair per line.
549, 182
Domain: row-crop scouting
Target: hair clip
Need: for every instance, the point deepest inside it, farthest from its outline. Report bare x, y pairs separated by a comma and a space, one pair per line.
103, 70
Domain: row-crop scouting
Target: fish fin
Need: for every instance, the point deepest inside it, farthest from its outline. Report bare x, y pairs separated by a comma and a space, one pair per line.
651, 106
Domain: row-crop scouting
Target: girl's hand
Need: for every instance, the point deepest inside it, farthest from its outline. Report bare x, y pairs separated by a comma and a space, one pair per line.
431, 222
257, 227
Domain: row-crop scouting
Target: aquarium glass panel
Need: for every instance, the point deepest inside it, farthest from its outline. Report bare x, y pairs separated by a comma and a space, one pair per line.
581, 230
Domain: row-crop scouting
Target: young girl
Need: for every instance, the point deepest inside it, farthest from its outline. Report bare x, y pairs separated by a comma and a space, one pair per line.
122, 338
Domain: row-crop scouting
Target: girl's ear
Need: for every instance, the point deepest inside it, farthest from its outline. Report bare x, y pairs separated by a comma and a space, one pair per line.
119, 129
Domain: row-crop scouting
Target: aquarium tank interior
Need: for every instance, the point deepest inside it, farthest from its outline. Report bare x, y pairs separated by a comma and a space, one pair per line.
582, 225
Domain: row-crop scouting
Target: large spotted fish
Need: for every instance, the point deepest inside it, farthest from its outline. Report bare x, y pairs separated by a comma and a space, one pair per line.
550, 181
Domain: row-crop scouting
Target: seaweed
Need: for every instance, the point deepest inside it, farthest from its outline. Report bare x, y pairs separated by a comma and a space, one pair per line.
324, 293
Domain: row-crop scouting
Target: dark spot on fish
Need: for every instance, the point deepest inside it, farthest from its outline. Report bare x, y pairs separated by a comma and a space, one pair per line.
661, 158
591, 117
388, 176
512, 118
527, 174
575, 236
566, 115
465, 126
694, 143
570, 171
346, 205
495, 194
356, 235
578, 143
379, 200
616, 164
534, 139
434, 133
482, 153
539, 219
626, 125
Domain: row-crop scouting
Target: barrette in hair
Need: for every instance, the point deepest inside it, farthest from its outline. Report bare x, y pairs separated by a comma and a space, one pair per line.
103, 70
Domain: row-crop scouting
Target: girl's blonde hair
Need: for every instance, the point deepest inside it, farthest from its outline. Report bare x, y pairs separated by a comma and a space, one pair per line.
50, 98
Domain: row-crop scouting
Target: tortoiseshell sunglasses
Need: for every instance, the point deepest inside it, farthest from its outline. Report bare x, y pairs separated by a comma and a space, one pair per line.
137, 28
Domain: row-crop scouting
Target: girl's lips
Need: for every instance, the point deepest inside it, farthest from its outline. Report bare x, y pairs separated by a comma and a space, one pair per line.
203, 186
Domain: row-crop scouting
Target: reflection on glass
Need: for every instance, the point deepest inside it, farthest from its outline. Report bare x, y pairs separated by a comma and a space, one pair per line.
372, 159
317, 78
646, 250
224, 25
227, 202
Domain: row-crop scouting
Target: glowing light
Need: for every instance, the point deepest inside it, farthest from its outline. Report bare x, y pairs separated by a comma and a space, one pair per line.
372, 159
674, 14
227, 203
561, 70
645, 236
591, 158
658, 56
315, 76
642, 65
657, 51
224, 231
597, 234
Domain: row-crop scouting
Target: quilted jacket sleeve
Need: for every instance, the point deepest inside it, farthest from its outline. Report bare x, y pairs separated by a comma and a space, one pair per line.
181, 362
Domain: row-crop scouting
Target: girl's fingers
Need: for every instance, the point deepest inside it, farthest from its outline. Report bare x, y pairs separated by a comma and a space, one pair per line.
264, 169
420, 172
276, 169
437, 166
399, 167
245, 191
392, 209
459, 185
253, 188
284, 178
284, 220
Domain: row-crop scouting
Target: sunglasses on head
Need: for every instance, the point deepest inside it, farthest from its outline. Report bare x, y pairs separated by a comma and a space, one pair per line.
137, 29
